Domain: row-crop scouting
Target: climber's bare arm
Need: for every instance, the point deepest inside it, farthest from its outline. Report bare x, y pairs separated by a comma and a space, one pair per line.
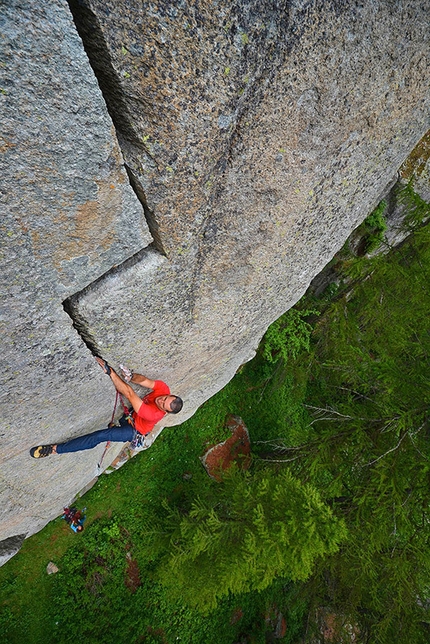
143, 381
126, 390
122, 386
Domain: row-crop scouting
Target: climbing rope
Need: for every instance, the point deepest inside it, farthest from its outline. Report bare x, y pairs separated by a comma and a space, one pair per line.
127, 414
99, 465
114, 407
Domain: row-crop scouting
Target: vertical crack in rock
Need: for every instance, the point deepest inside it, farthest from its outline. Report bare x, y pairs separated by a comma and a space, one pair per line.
91, 34
70, 305
149, 215
95, 46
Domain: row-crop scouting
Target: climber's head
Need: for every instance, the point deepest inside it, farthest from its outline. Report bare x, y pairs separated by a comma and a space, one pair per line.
169, 404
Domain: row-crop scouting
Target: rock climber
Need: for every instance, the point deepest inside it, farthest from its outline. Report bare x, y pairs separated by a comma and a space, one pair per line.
146, 413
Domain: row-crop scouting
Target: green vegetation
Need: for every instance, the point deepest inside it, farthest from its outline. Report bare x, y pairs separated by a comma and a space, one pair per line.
369, 447
375, 227
332, 516
288, 335
418, 209
255, 527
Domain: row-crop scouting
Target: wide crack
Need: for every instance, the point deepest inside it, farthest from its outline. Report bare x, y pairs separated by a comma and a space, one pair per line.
93, 40
91, 33
149, 215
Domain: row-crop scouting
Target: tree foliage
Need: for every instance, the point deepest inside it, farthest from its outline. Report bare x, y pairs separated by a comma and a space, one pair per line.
369, 393
244, 533
289, 335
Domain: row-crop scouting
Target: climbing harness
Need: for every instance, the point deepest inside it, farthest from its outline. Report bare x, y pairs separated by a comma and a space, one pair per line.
128, 417
137, 441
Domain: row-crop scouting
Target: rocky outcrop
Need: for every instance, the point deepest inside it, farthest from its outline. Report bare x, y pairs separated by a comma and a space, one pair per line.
416, 169
235, 449
174, 175
10, 546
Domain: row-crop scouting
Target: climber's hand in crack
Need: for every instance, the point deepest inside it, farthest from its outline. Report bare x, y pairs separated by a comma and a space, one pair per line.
104, 365
135, 378
121, 386
162, 402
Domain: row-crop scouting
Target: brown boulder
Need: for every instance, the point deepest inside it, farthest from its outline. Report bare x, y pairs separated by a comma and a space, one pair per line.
236, 449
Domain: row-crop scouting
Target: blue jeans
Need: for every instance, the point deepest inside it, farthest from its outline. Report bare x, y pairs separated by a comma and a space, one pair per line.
122, 434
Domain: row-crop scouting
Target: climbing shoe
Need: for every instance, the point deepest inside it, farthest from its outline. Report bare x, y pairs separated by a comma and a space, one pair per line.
41, 451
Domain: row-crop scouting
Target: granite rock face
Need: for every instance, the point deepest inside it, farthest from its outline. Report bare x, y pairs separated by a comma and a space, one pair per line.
257, 134
10, 546
256, 137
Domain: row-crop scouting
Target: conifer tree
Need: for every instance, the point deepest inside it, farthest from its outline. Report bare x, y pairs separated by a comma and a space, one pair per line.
251, 530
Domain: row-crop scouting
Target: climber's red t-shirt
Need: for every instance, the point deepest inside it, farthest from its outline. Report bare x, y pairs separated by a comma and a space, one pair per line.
149, 414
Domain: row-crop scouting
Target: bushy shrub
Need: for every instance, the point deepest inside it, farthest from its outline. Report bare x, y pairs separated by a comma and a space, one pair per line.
288, 336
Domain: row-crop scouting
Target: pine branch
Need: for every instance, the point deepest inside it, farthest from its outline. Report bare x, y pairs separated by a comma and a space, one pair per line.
286, 460
393, 449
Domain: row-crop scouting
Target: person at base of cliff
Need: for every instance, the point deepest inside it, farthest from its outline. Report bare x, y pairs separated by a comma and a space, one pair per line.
75, 518
148, 411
